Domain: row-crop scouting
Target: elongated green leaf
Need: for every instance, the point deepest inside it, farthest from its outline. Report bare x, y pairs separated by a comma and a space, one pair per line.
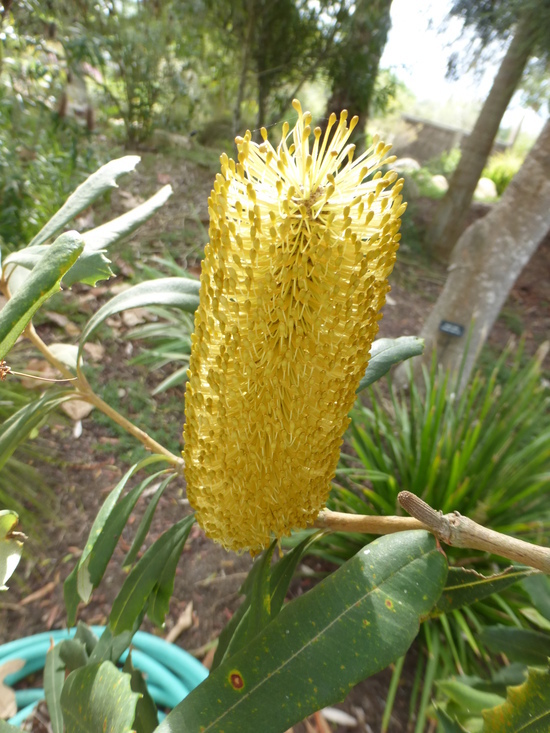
468, 698
145, 523
43, 281
519, 645
18, 426
351, 625
159, 601
536, 618
80, 583
7, 728
527, 707
538, 587
109, 648
144, 577
448, 724
107, 234
54, 677
146, 719
92, 188
86, 636
90, 267
385, 353
98, 697
179, 292
465, 587
11, 546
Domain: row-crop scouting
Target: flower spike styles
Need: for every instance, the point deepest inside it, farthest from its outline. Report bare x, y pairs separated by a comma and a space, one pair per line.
302, 240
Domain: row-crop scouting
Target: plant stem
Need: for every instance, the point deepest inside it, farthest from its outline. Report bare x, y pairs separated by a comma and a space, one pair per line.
453, 529
84, 391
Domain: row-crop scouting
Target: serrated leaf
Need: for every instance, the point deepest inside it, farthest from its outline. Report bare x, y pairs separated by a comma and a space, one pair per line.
43, 281
519, 645
465, 587
54, 677
144, 577
351, 625
107, 234
98, 698
385, 353
93, 187
11, 546
178, 292
527, 707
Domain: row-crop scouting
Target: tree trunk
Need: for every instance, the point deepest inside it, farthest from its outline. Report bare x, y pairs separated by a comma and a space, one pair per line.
450, 216
486, 263
356, 62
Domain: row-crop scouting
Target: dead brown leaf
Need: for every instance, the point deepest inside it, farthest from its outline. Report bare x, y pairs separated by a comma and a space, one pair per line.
8, 706
41, 592
184, 622
77, 409
70, 328
96, 352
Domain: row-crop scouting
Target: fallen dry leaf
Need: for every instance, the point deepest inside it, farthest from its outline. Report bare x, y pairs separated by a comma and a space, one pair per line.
70, 328
184, 622
134, 317
96, 352
340, 717
77, 409
8, 706
41, 592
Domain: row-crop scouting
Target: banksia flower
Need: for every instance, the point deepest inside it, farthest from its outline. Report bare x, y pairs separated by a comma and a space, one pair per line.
302, 240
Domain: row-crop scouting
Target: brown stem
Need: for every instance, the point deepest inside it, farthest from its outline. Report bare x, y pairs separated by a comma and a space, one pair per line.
84, 391
453, 529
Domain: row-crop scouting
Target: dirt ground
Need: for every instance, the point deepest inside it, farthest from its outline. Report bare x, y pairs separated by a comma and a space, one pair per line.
83, 470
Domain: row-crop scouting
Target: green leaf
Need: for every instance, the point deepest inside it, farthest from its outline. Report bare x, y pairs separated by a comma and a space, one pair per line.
107, 234
159, 601
86, 636
43, 281
93, 187
73, 653
90, 267
465, 587
144, 577
146, 719
11, 546
109, 648
385, 353
98, 698
351, 625
468, 698
519, 645
538, 588
527, 707
7, 728
145, 523
536, 618
54, 677
80, 583
448, 724
179, 292
19, 426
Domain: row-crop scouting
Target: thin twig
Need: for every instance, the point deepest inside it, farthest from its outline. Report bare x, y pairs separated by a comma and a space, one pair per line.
365, 524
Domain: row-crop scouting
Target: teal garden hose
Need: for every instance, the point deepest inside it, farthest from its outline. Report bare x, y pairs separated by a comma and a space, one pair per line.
170, 672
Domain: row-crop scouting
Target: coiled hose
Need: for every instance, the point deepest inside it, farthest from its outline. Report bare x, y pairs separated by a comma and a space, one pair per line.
170, 672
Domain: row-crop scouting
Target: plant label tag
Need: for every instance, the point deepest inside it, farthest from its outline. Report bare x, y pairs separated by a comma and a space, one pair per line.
453, 329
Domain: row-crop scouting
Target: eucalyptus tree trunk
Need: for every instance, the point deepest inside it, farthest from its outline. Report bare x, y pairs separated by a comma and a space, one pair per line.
486, 262
450, 216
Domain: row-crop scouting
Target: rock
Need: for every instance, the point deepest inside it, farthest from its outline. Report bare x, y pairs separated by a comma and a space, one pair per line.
440, 182
406, 164
485, 189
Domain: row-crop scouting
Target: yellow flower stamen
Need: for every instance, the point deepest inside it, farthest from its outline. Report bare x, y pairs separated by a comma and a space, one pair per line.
293, 279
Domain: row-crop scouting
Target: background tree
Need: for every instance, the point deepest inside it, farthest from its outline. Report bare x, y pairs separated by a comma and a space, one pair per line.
352, 67
528, 24
487, 261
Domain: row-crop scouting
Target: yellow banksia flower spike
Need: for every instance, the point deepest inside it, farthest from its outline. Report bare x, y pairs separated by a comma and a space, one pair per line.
302, 240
